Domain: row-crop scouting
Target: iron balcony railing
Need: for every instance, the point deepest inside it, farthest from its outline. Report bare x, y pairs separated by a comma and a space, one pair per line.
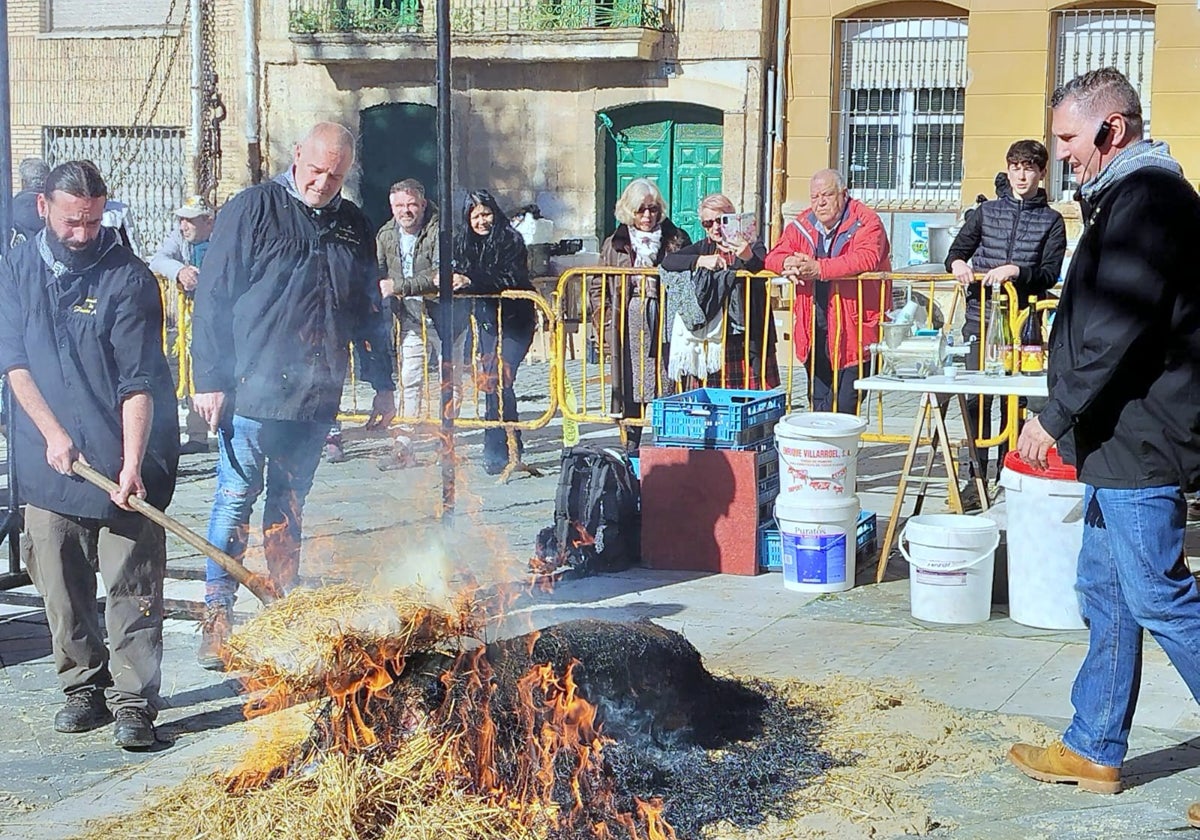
313, 17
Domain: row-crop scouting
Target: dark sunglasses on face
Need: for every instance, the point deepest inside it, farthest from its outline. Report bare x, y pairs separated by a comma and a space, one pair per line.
654, 211
707, 223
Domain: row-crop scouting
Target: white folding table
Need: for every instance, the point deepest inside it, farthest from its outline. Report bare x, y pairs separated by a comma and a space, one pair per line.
931, 389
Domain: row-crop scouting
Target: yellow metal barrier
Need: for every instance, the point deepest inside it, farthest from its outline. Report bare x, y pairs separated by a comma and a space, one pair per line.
625, 310
485, 375
599, 299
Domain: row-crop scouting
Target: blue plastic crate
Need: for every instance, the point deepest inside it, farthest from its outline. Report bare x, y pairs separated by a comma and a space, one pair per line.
717, 416
768, 486
770, 551
867, 533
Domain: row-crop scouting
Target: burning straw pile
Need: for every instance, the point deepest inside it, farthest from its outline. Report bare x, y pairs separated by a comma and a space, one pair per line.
585, 730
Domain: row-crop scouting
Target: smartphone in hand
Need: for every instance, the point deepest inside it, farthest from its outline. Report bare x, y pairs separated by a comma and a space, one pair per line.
739, 227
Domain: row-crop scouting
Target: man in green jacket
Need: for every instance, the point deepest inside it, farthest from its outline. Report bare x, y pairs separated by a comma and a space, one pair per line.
407, 251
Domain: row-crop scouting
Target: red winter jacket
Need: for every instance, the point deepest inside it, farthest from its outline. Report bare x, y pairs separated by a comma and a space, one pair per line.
861, 245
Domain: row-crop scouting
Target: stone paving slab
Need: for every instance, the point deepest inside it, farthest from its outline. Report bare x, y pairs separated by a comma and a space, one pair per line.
363, 521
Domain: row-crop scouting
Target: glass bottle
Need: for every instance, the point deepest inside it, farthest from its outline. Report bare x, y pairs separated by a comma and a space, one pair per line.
995, 345
1033, 346
1008, 344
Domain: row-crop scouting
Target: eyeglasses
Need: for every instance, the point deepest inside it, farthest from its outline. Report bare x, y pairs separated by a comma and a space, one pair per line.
707, 223
653, 211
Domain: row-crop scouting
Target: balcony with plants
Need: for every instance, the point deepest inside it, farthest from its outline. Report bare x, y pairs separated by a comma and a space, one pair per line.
564, 30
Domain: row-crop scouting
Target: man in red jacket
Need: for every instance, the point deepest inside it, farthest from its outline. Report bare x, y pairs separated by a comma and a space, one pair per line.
823, 250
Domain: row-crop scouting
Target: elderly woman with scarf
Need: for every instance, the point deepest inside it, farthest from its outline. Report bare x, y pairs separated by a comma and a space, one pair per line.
644, 236
754, 366
490, 258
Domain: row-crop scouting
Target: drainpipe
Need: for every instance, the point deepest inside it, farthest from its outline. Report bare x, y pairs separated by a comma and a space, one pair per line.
197, 89
768, 157
779, 156
253, 149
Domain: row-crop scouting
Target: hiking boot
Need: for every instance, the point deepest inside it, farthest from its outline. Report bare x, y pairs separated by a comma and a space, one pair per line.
133, 729
1059, 763
84, 711
214, 633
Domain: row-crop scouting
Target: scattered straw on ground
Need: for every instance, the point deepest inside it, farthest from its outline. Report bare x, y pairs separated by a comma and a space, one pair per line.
892, 742
339, 798
300, 642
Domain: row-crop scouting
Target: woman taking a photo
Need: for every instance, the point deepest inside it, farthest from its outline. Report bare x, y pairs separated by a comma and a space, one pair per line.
756, 367
490, 258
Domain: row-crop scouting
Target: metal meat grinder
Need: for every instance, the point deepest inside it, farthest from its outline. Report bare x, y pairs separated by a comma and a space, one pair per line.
906, 353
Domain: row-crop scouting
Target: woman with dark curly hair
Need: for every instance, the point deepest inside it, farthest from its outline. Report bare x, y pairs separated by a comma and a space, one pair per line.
490, 258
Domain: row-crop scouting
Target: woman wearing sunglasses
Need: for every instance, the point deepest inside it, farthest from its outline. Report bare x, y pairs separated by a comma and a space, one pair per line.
644, 236
723, 249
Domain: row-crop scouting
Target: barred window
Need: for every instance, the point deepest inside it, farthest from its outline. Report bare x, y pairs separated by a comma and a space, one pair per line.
900, 116
1088, 39
142, 166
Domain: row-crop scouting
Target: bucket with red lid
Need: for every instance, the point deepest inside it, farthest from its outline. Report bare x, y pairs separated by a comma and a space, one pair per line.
1045, 532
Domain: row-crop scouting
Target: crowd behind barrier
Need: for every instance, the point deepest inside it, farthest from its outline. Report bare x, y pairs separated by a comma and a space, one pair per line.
582, 392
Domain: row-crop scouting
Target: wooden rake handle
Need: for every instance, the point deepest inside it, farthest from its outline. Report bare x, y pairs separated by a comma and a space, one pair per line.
261, 587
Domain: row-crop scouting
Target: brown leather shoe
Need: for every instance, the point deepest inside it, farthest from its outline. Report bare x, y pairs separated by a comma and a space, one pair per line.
1194, 815
1058, 763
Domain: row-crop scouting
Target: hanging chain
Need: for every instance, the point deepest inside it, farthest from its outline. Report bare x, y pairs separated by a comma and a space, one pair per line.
212, 108
133, 141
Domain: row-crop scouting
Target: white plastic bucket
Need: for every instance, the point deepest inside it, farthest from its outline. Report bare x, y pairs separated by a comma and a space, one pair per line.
817, 541
951, 564
818, 455
1045, 532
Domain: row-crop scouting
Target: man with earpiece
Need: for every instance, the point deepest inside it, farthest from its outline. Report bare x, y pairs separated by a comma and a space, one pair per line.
1124, 407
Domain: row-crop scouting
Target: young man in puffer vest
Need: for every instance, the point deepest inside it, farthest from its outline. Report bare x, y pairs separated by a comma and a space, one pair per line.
1016, 237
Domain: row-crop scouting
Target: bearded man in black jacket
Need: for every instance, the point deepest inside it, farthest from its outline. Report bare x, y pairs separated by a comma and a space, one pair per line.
1124, 406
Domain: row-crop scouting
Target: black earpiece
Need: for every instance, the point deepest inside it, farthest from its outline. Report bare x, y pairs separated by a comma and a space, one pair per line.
1102, 133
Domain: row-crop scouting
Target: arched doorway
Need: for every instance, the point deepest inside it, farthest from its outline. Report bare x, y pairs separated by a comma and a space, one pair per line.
398, 140
678, 146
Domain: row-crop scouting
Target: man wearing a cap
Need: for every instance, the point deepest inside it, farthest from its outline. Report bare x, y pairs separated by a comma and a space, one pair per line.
178, 259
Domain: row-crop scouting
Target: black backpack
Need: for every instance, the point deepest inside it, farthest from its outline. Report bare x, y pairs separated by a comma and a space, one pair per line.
597, 524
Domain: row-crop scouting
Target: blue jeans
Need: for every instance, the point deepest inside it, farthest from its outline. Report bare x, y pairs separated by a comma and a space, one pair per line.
286, 452
1132, 576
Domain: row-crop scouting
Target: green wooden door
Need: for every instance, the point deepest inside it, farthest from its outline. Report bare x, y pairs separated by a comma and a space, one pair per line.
399, 140
695, 172
680, 154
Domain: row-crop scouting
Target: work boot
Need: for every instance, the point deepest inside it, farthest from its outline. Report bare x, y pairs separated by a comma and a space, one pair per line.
214, 633
133, 729
1059, 763
1194, 815
84, 711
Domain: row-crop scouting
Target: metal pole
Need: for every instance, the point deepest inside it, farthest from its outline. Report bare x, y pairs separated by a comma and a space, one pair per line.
194, 29
6, 183
253, 144
10, 528
445, 258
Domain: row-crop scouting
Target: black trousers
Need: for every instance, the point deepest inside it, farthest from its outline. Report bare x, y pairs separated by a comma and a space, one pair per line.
822, 381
